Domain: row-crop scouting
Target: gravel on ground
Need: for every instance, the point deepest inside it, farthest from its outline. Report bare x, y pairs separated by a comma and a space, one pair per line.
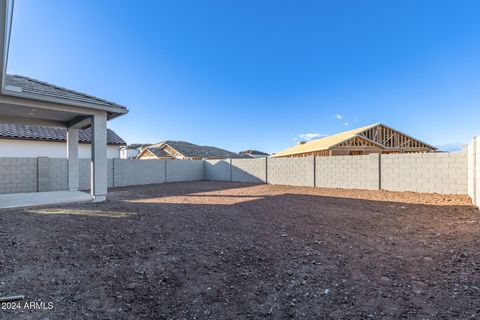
218, 250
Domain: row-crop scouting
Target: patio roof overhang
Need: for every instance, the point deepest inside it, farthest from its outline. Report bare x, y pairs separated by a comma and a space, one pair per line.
31, 109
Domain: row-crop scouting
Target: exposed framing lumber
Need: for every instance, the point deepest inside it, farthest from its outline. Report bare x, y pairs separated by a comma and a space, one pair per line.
394, 139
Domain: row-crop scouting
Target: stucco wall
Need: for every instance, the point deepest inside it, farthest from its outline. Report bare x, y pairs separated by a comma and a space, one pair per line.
291, 171
352, 172
128, 153
33, 149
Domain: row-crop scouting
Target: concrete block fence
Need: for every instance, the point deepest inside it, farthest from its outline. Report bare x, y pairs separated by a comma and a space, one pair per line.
249, 170
291, 171
51, 174
19, 175
348, 172
473, 168
446, 173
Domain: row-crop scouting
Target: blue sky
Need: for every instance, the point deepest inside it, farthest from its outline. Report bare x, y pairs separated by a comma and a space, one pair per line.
259, 74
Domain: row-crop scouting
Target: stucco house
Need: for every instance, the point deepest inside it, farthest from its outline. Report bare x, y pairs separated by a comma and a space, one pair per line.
17, 140
132, 150
27, 101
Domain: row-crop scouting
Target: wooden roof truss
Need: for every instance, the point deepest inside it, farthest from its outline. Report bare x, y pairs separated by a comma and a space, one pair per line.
393, 139
358, 142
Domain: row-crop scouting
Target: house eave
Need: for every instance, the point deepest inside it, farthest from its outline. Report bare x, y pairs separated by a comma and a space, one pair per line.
6, 10
73, 110
53, 140
113, 110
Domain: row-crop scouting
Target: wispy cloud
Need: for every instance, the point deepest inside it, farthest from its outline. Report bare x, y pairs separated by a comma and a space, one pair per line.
345, 124
338, 116
309, 136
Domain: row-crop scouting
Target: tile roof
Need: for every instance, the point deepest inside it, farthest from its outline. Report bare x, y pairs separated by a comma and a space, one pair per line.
138, 145
191, 150
323, 143
48, 90
253, 152
27, 132
159, 152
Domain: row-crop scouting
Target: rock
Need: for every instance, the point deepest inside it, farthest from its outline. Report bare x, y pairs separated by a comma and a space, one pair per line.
384, 279
427, 259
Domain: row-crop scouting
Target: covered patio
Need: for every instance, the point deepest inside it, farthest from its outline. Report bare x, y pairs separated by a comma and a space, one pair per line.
15, 200
29, 101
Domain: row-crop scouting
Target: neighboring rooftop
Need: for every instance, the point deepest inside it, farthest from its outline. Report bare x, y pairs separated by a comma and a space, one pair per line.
16, 83
138, 145
40, 133
253, 153
159, 152
189, 150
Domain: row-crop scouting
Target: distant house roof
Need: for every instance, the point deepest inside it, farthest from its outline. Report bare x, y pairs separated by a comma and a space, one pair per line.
253, 152
138, 145
48, 90
159, 152
190, 150
39, 133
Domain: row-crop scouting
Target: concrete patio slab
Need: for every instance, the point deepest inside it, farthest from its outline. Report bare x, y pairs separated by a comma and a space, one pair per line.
16, 200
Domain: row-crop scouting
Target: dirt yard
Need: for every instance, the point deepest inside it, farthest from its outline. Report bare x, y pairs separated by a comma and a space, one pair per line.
209, 250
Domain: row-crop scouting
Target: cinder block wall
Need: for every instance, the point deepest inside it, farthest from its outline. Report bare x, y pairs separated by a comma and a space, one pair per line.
18, 175
57, 174
138, 172
448, 173
249, 170
84, 175
181, 170
472, 179
425, 172
477, 172
352, 172
85, 168
217, 170
291, 171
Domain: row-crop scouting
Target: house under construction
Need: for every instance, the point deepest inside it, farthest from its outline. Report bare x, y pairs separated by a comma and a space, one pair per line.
375, 138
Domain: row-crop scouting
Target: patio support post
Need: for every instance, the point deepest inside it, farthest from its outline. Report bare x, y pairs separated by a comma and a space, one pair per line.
73, 163
99, 157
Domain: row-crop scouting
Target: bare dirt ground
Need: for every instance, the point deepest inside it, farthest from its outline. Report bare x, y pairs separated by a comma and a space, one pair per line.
211, 250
